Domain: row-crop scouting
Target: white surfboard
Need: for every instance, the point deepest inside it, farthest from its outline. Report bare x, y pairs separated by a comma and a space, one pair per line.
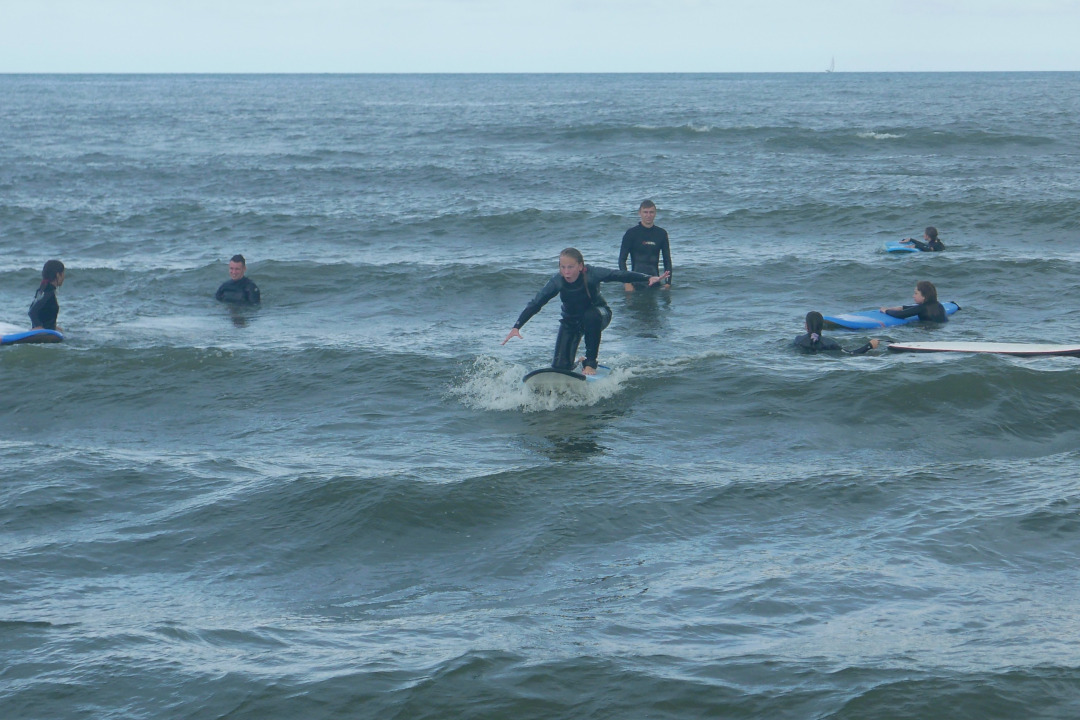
552, 379
1017, 349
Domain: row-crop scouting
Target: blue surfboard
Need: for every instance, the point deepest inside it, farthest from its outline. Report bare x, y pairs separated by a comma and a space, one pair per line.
553, 379
873, 319
32, 336
899, 247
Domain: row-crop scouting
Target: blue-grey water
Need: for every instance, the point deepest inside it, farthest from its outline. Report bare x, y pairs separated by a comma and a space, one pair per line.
344, 504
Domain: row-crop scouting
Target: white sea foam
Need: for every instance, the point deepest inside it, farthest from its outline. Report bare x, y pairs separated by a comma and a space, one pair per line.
493, 384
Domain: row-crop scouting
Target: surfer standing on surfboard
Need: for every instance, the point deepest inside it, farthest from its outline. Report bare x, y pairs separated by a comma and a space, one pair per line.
585, 313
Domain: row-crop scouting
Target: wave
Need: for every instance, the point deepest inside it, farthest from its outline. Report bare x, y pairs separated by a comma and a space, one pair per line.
905, 139
870, 135
1045, 218
841, 140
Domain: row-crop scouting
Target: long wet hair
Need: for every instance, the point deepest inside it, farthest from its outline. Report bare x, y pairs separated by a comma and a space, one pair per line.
814, 323
927, 290
50, 271
575, 255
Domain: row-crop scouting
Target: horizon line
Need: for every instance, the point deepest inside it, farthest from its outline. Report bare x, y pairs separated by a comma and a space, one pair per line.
525, 72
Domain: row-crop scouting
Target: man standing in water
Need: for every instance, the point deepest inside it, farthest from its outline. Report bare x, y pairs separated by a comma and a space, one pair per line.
238, 289
644, 243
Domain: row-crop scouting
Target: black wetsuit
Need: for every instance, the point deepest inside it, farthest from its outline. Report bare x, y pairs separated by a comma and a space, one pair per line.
824, 344
932, 246
644, 246
242, 291
45, 308
930, 311
584, 311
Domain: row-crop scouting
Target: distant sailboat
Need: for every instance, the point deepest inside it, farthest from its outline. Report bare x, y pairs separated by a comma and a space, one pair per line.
832, 64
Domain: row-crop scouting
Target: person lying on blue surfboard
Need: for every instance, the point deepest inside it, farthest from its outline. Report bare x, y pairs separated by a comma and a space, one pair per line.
929, 243
926, 305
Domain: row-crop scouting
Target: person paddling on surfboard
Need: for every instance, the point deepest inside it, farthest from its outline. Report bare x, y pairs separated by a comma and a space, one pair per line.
45, 308
929, 243
585, 313
813, 341
926, 305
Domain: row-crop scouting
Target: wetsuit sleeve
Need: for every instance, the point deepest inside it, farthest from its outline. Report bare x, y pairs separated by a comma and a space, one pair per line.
666, 250
924, 247
905, 312
823, 344
546, 293
220, 294
624, 250
253, 295
602, 275
860, 350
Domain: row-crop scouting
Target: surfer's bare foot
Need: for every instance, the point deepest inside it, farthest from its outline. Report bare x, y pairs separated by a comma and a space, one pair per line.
588, 370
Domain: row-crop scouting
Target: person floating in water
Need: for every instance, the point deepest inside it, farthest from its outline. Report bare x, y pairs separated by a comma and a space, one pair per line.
929, 243
45, 308
584, 311
813, 341
238, 289
644, 243
926, 305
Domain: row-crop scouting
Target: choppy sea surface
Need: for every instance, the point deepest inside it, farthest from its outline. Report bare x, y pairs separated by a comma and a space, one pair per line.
344, 504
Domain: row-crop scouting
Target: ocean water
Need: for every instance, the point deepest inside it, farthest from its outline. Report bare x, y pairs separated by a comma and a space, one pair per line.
344, 504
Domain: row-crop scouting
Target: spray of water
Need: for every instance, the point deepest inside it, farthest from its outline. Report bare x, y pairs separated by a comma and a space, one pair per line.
493, 384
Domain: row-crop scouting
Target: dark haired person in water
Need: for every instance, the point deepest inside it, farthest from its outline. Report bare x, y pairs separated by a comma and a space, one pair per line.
644, 244
238, 289
814, 342
584, 311
926, 305
929, 243
45, 308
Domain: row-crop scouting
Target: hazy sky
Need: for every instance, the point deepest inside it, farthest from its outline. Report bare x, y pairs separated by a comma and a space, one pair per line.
530, 36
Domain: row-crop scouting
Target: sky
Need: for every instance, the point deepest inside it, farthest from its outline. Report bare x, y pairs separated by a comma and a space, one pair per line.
509, 36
